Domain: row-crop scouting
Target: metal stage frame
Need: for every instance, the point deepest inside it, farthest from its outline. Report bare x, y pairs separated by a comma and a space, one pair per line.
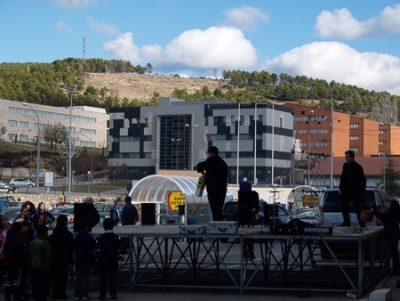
350, 260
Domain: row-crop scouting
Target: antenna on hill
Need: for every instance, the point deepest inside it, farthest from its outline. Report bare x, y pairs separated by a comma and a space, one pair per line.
83, 55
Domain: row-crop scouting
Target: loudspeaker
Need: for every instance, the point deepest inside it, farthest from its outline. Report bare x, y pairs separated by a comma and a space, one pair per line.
248, 207
148, 214
81, 210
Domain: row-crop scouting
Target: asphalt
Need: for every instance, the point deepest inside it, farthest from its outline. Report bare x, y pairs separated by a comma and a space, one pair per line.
185, 294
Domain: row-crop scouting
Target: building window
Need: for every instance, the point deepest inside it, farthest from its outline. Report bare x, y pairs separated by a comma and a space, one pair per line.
355, 149
355, 137
23, 137
382, 142
88, 131
12, 123
241, 120
354, 125
11, 136
23, 124
219, 120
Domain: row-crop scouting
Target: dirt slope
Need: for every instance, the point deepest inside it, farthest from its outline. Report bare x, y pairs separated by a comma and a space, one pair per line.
142, 86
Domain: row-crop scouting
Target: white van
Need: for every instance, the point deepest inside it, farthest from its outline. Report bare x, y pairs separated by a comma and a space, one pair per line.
331, 211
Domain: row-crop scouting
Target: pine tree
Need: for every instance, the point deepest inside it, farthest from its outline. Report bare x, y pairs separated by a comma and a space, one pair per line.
392, 175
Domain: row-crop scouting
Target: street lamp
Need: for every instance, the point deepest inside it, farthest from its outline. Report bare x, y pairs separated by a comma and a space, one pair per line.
331, 161
384, 155
38, 147
1, 167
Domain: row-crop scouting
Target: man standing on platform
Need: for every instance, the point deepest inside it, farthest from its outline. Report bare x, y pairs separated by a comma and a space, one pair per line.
129, 213
215, 171
352, 187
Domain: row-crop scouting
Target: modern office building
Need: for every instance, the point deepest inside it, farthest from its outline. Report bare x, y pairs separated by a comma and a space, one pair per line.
256, 140
20, 122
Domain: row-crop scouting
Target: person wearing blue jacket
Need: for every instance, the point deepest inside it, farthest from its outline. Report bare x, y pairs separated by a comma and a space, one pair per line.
107, 248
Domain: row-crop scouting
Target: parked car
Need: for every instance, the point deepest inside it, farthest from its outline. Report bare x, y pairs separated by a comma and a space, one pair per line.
3, 203
7, 188
68, 211
7, 198
308, 215
11, 212
15, 203
104, 210
331, 211
331, 214
230, 212
22, 182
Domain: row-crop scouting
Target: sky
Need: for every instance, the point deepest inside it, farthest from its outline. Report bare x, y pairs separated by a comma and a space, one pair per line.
351, 42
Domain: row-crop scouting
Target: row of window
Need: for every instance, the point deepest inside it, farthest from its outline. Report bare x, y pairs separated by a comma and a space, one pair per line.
312, 118
318, 143
245, 120
130, 138
317, 131
52, 115
24, 124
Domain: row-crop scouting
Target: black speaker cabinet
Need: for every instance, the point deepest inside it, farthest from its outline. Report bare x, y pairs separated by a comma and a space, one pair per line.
81, 210
248, 207
148, 214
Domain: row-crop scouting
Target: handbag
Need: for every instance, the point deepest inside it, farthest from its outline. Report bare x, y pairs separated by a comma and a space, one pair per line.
366, 214
201, 183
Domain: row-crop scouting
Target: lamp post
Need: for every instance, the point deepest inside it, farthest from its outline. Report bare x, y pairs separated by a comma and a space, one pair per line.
331, 175
70, 146
1, 167
384, 155
238, 145
38, 147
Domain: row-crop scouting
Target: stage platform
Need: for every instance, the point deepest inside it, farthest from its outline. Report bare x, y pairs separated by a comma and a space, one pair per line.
350, 260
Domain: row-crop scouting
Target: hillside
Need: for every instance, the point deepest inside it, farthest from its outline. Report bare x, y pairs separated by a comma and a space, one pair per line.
142, 86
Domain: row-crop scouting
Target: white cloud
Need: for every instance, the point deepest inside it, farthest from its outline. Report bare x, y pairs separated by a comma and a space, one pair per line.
61, 26
340, 24
123, 48
102, 27
339, 62
73, 4
245, 18
215, 47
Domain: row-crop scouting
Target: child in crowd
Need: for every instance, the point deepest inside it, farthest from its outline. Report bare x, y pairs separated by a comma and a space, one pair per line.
84, 259
107, 247
40, 263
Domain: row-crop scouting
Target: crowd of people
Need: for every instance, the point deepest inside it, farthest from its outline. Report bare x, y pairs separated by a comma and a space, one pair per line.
35, 265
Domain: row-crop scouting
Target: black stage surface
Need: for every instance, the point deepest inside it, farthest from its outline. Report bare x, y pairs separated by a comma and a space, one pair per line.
351, 260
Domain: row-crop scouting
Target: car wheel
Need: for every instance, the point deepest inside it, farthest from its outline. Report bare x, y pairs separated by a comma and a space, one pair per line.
30, 185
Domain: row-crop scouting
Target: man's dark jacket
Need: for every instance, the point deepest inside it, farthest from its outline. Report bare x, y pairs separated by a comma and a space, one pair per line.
352, 180
216, 171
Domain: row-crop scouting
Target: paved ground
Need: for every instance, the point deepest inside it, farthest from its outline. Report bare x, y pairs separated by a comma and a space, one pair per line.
156, 294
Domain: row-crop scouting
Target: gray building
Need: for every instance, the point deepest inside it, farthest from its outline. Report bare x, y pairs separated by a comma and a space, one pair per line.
176, 134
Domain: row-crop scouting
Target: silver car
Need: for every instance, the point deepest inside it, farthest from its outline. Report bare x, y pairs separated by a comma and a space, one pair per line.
22, 182
7, 188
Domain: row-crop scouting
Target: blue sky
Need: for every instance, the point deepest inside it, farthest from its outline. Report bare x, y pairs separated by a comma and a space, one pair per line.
351, 42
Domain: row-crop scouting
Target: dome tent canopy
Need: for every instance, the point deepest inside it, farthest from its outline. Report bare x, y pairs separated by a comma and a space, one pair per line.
155, 189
